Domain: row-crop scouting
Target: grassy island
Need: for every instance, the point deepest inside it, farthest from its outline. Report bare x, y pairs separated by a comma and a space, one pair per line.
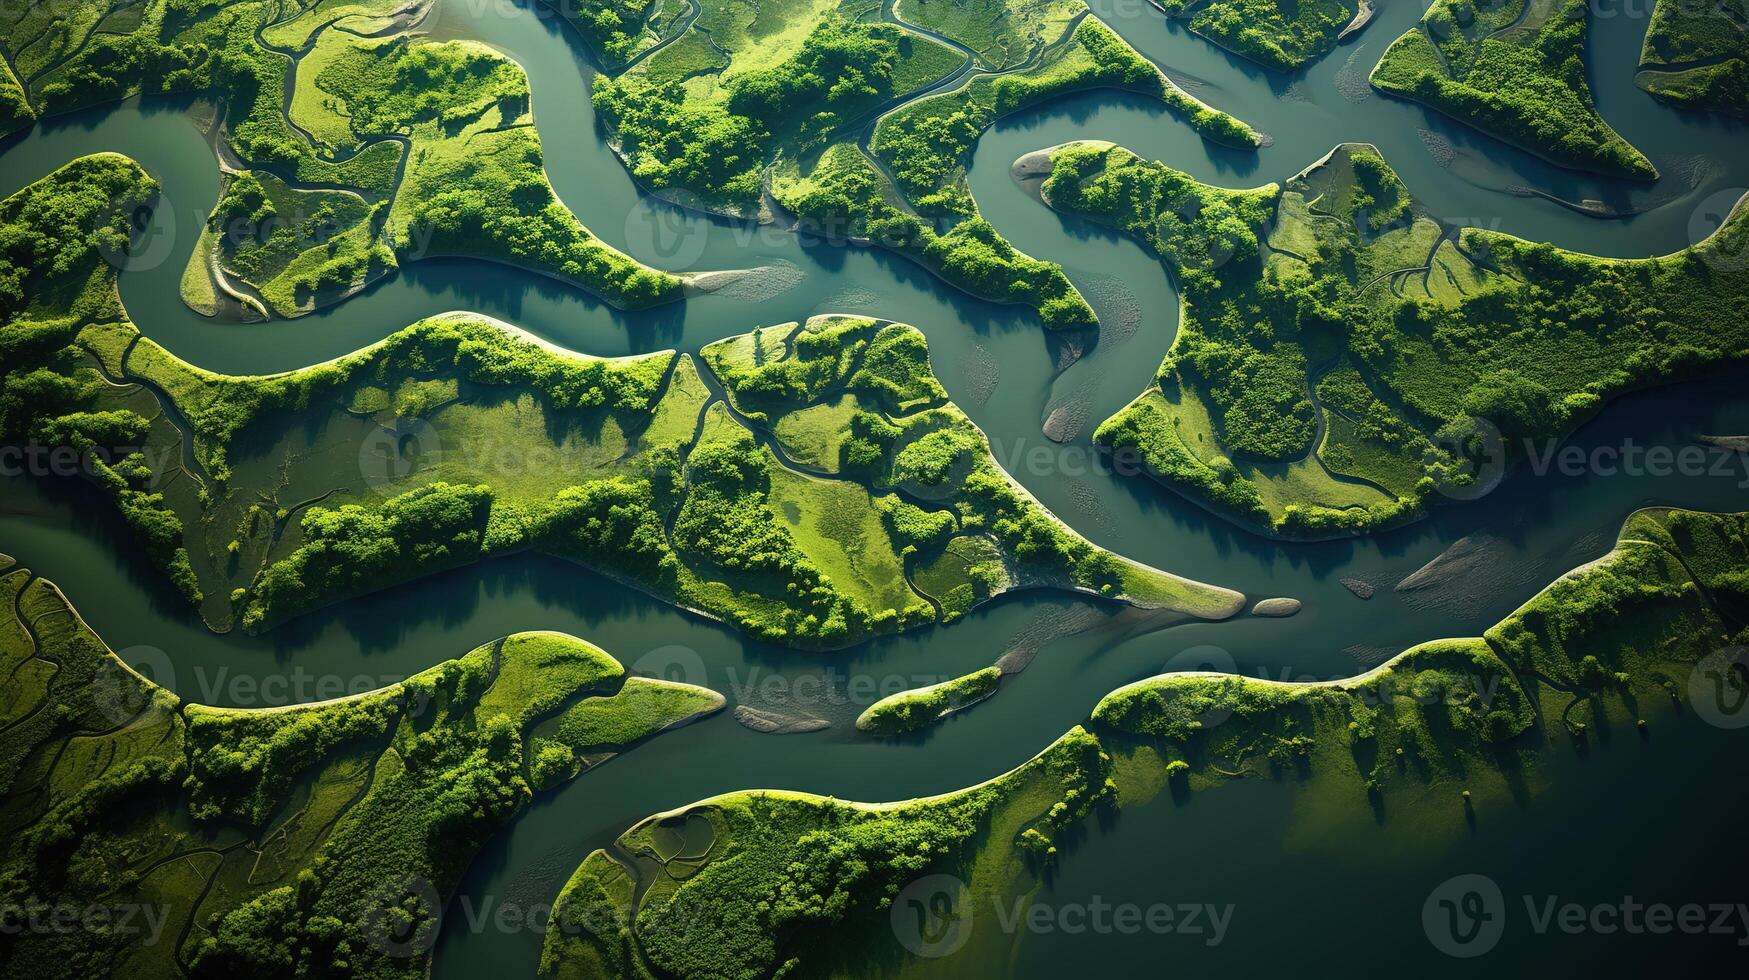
1514, 69
459, 438
355, 156
1698, 56
1277, 34
1344, 360
743, 884
860, 125
312, 840
1426, 739
921, 707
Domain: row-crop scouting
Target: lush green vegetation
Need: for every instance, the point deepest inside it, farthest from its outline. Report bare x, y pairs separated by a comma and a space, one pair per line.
1336, 300
905, 442
1514, 73
845, 196
745, 884
58, 240
472, 182
318, 840
295, 245
921, 707
1606, 643
1276, 34
784, 90
478, 441
926, 143
15, 110
1698, 56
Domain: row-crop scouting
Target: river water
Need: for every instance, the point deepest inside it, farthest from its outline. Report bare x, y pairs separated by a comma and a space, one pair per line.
1001, 368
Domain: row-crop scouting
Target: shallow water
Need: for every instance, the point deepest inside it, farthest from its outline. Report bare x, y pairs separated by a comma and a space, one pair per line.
997, 363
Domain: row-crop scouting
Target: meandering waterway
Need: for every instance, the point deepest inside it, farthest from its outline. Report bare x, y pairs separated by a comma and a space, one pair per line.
997, 364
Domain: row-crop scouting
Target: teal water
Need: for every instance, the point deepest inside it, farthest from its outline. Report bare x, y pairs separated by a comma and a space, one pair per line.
998, 364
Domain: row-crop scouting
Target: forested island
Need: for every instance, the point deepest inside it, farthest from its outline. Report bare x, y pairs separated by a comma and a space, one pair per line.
321, 839
1607, 644
1514, 69
1345, 360
264, 506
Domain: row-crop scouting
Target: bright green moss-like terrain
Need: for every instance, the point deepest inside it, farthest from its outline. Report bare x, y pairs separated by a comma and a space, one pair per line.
1698, 56
743, 884
420, 148
1279, 34
921, 707
1344, 359
316, 840
1514, 69
793, 98
459, 438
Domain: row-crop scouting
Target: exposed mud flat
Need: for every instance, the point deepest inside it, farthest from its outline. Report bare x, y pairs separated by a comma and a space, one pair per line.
1120, 313
1367, 657
1049, 625
778, 721
1350, 80
1438, 147
754, 285
1090, 503
1279, 607
1066, 416
981, 372
1469, 575
1361, 588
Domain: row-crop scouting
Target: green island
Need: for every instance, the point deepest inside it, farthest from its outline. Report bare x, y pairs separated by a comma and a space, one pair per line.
1697, 56
1514, 69
343, 155
313, 840
459, 438
1283, 35
748, 884
909, 711
858, 120
1344, 360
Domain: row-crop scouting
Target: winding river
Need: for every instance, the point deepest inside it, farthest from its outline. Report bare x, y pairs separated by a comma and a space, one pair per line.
1002, 369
